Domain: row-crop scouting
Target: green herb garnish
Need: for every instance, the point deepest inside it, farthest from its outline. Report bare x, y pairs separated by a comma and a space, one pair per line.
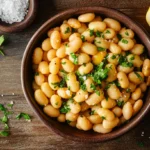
91, 32
65, 108
2, 39
23, 115
83, 38
128, 90
92, 112
124, 41
4, 133
68, 121
127, 64
83, 87
2, 53
67, 30
101, 49
103, 118
75, 58
119, 36
139, 76
63, 63
132, 58
120, 103
126, 33
93, 87
113, 57
98, 33
107, 32
36, 73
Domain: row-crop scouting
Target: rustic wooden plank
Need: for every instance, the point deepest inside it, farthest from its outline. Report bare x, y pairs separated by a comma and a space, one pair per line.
35, 135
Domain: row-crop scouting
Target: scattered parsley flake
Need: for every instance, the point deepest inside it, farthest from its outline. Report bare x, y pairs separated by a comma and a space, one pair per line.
63, 63
107, 32
120, 103
68, 121
66, 45
128, 90
92, 112
132, 58
119, 36
126, 33
83, 87
67, 30
4, 133
65, 108
103, 118
127, 64
2, 39
23, 115
113, 57
83, 38
101, 49
124, 41
91, 32
98, 33
138, 75
75, 58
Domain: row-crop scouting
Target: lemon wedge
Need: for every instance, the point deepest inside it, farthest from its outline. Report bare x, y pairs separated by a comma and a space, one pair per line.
148, 16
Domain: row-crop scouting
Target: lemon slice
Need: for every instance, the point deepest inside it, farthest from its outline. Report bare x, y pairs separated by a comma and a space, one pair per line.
148, 16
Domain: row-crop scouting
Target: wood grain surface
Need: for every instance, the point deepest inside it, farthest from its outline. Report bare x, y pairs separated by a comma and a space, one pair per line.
35, 135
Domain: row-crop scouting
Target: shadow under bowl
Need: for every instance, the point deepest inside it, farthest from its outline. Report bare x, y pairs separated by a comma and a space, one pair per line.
26, 75
19, 26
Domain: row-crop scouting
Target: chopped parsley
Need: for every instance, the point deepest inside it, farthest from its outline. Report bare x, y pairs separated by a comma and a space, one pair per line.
101, 49
119, 36
68, 121
103, 118
75, 58
92, 112
4, 133
127, 64
113, 57
74, 30
124, 41
139, 76
65, 108
93, 87
107, 32
132, 58
98, 33
36, 73
55, 84
23, 115
120, 103
83, 38
106, 98
91, 32
67, 30
2, 39
126, 33
66, 45
83, 87
63, 63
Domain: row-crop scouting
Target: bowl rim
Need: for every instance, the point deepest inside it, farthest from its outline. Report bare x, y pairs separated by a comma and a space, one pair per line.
29, 18
99, 10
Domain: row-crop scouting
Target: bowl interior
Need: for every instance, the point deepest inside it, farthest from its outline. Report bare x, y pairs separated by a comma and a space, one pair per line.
18, 26
27, 76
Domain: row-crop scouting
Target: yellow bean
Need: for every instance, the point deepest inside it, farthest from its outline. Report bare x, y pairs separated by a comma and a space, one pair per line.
138, 49
64, 93
88, 83
100, 42
85, 69
115, 48
112, 74
82, 28
117, 111
51, 111
95, 119
123, 80
83, 58
97, 18
61, 52
81, 96
71, 117
53, 81
74, 23
88, 17
87, 37
55, 39
37, 55
137, 106
108, 103
51, 54
75, 108
65, 31
143, 86
126, 33
40, 97
56, 101
73, 85
39, 79
43, 67
100, 129
84, 106
54, 65
112, 23
136, 94
51, 30
84, 123
95, 108
35, 86
97, 26
61, 118
47, 89
136, 77
125, 69
146, 68
113, 58
94, 98
46, 45
67, 65
110, 124
109, 33
86, 46
106, 114
131, 87
127, 110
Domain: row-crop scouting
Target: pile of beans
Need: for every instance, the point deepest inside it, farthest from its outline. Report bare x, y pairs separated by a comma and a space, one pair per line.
90, 73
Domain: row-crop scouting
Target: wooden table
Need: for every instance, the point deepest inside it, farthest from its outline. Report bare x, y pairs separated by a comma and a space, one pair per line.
35, 135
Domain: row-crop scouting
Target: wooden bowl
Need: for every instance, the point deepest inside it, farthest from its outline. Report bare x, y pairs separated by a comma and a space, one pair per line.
26, 76
19, 26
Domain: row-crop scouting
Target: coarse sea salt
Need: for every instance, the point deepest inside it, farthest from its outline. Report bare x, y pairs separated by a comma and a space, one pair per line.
13, 10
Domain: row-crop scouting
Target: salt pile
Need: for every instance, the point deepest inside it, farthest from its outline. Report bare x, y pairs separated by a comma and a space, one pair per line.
13, 10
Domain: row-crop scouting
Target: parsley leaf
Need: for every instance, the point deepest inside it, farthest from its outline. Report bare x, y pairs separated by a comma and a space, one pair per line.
63, 63
128, 90
23, 115
120, 103
4, 133
138, 75
103, 118
67, 30
75, 58
98, 33
124, 41
93, 87
36, 74
4, 119
119, 36
65, 108
83, 38
2, 39
92, 112
126, 33
83, 87
101, 49
91, 32
132, 58
113, 57
127, 64
107, 32
68, 121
